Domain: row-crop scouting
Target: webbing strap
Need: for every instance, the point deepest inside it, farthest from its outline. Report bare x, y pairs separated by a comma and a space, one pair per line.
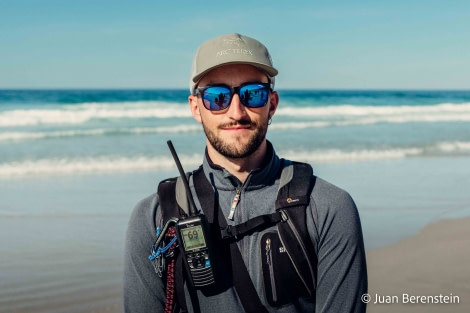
284, 200
169, 209
295, 196
240, 276
256, 223
170, 277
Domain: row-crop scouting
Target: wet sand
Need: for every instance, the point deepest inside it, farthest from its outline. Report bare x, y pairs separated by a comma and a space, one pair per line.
433, 263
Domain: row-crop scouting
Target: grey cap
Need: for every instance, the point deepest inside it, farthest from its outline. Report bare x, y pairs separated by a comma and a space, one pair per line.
230, 49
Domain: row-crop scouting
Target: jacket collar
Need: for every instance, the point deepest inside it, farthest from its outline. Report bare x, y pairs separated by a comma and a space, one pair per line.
222, 179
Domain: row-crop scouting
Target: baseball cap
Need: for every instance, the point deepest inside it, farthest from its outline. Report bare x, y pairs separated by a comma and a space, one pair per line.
230, 49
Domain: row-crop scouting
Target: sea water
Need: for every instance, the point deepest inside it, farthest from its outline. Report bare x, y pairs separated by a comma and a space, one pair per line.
73, 163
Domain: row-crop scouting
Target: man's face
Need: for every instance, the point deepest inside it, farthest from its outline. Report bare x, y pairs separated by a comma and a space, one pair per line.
237, 131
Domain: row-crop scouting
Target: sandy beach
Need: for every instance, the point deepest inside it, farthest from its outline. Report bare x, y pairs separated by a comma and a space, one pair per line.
106, 299
433, 263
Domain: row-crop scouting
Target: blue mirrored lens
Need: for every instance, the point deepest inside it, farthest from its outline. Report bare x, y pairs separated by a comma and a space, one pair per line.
254, 95
216, 98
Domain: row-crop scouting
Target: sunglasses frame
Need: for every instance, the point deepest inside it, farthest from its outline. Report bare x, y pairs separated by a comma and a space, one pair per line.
233, 91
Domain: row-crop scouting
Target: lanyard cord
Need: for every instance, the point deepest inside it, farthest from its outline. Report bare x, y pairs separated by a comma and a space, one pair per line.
170, 280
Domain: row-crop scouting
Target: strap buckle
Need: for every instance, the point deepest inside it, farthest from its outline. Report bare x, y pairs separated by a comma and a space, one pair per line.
228, 233
284, 216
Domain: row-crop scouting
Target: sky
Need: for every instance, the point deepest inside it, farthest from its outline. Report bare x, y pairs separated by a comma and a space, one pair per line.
342, 44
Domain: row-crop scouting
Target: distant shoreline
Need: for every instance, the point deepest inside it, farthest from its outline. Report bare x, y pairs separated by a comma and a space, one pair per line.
187, 89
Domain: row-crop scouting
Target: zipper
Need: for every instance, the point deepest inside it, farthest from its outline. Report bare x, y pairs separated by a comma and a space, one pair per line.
269, 261
235, 201
302, 248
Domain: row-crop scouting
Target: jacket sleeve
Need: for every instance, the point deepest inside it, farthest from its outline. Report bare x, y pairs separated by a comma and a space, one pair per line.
342, 270
143, 290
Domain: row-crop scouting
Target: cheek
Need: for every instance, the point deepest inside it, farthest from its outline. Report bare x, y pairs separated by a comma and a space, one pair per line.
206, 118
197, 115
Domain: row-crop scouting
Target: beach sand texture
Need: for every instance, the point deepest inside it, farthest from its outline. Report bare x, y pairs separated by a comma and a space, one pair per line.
434, 262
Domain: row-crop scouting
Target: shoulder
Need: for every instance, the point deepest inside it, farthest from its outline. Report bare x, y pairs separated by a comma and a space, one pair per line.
337, 213
146, 206
142, 288
326, 194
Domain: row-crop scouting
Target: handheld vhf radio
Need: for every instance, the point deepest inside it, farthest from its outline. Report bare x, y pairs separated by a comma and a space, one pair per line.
192, 233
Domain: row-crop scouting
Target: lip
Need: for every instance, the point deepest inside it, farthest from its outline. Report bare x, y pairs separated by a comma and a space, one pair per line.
237, 128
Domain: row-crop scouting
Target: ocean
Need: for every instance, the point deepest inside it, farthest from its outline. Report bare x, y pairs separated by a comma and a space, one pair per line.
73, 163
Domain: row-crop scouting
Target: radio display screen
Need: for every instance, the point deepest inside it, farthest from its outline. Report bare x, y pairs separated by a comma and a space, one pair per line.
193, 237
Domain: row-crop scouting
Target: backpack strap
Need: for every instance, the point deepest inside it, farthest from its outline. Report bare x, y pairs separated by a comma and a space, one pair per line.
180, 195
167, 194
254, 224
292, 199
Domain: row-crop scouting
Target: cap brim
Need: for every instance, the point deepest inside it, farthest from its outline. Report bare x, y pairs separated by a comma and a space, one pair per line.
268, 70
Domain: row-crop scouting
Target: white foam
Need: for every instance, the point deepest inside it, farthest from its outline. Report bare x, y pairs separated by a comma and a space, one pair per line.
168, 129
355, 110
347, 115
337, 156
21, 136
456, 146
339, 115
111, 164
299, 125
80, 114
106, 164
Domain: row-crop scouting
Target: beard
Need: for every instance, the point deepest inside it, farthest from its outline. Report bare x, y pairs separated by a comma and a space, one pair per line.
239, 150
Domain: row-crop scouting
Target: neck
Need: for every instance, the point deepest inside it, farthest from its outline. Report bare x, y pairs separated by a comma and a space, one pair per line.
240, 167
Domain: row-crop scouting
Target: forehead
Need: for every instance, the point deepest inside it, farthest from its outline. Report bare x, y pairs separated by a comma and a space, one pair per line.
233, 74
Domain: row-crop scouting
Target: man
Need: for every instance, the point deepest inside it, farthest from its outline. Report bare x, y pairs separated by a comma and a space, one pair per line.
232, 96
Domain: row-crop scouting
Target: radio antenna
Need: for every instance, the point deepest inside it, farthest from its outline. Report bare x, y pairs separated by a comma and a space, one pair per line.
192, 205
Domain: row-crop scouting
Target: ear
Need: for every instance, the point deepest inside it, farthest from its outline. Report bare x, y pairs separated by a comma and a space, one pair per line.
194, 106
273, 102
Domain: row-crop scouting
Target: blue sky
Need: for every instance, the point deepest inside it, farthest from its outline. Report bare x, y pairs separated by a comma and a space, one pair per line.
314, 44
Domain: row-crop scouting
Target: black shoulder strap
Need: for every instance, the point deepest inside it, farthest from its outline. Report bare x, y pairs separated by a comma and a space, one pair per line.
291, 201
169, 208
167, 199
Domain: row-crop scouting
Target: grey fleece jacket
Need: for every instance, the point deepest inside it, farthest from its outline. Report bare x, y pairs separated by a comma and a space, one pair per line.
335, 230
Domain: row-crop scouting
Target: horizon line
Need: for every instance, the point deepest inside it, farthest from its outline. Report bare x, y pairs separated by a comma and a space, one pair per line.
180, 89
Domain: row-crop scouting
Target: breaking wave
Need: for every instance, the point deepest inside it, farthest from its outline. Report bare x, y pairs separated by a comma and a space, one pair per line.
112, 164
347, 114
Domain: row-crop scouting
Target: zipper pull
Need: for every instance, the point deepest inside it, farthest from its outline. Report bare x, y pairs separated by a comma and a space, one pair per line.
268, 251
234, 204
269, 261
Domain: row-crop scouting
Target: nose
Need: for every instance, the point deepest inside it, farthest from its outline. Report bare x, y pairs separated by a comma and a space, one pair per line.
236, 110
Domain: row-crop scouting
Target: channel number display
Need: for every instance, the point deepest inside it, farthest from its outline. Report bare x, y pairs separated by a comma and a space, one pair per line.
193, 237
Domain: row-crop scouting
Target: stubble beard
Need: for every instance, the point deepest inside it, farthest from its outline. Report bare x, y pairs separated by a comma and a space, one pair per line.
237, 151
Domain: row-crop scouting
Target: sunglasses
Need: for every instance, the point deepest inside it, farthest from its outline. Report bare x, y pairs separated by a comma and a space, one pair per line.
219, 97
